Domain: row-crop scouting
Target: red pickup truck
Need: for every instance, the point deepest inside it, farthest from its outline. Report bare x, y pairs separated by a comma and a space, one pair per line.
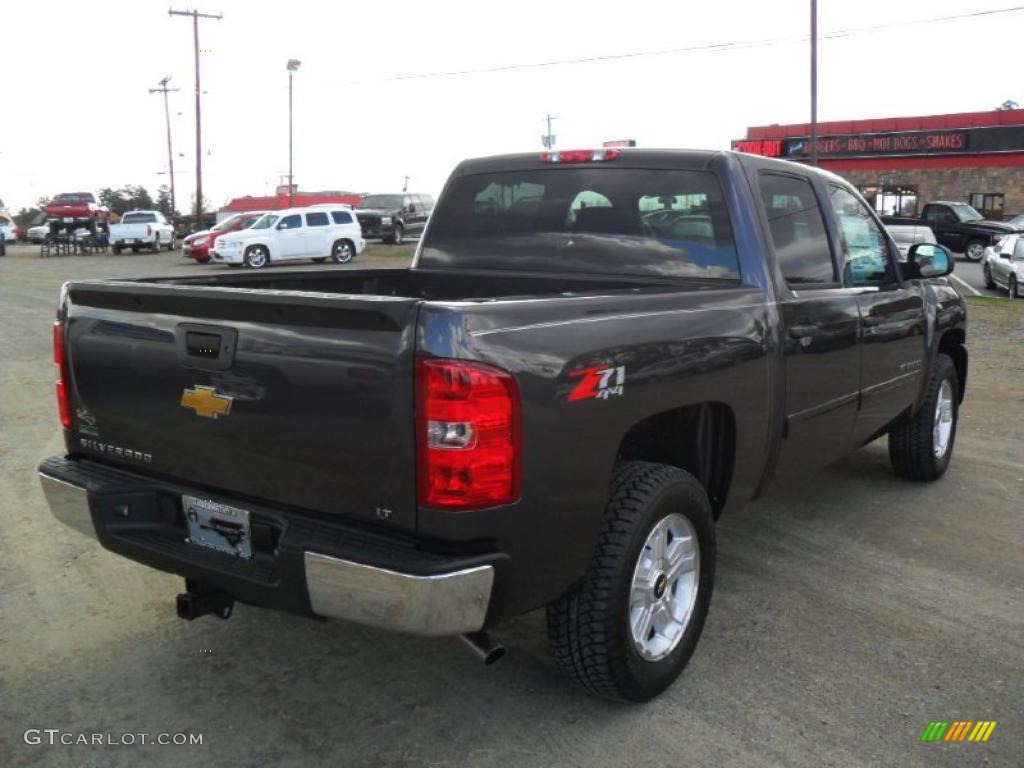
197, 245
70, 211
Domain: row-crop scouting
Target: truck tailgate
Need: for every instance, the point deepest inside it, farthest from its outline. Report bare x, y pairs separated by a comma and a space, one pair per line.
130, 231
298, 399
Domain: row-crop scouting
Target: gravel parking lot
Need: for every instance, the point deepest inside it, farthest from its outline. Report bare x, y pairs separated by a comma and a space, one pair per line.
849, 612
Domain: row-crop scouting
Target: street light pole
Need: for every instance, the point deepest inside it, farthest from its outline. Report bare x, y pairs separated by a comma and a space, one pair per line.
293, 66
814, 82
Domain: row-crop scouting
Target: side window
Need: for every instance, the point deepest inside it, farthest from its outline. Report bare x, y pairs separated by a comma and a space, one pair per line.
317, 219
867, 259
1018, 249
797, 229
428, 202
290, 222
341, 217
407, 203
939, 214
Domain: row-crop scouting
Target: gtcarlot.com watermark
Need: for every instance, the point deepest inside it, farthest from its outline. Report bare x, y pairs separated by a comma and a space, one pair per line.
56, 737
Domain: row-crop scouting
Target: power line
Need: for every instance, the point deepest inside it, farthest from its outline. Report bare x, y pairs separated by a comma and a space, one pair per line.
707, 47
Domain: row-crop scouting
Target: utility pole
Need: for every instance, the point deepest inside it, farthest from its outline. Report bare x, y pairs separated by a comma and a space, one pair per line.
814, 82
167, 117
548, 139
405, 183
196, 15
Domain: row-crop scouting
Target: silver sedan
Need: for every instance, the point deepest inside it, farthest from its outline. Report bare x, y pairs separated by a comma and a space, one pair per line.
1004, 265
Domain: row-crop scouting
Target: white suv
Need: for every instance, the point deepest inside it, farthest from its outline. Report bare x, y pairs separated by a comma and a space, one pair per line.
317, 233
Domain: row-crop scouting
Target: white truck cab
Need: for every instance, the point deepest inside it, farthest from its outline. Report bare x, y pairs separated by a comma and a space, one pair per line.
318, 232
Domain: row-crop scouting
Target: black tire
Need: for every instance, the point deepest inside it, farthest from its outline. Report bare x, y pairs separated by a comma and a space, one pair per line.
912, 442
135, 249
1012, 289
171, 244
989, 282
319, 259
155, 247
398, 235
589, 627
342, 252
116, 249
256, 257
974, 250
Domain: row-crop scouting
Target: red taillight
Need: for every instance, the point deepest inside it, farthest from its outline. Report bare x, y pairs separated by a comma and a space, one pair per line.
149, 230
579, 156
467, 435
62, 388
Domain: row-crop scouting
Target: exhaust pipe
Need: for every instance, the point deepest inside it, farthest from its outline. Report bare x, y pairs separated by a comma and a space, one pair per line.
486, 649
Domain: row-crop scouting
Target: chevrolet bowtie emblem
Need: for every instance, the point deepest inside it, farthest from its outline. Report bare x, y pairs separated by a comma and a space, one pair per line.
206, 402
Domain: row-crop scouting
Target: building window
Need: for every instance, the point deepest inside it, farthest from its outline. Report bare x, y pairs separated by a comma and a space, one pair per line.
891, 199
989, 204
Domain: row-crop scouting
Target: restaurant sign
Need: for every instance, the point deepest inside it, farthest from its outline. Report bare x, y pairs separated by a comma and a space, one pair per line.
939, 142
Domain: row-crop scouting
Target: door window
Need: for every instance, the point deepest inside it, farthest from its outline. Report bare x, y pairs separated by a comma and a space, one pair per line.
318, 219
867, 259
938, 215
291, 222
797, 229
1018, 249
341, 217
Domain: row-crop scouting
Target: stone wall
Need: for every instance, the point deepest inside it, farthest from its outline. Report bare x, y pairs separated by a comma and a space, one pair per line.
951, 183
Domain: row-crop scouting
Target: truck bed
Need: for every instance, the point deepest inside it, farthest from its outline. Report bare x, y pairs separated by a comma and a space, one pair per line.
316, 368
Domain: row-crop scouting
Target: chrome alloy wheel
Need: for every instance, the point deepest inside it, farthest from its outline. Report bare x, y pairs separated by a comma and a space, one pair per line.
974, 251
942, 428
664, 588
256, 257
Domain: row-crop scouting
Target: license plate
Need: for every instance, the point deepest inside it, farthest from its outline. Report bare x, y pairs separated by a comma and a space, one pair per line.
68, 219
217, 526
129, 239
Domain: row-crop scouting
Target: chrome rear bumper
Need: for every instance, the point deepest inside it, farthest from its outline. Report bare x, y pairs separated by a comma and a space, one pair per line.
443, 604
69, 503
448, 603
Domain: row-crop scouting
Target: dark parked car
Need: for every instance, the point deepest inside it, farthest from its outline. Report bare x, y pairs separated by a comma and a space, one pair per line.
595, 355
959, 227
392, 217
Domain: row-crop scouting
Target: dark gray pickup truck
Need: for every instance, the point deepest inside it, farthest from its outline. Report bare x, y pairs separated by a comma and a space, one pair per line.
594, 355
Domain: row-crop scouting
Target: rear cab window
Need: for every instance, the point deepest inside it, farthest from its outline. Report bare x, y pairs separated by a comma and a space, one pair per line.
593, 219
138, 218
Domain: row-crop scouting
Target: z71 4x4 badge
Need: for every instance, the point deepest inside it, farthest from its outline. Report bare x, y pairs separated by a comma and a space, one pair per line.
599, 382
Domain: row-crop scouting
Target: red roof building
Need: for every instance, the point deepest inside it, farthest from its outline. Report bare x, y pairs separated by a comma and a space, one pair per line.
900, 163
280, 201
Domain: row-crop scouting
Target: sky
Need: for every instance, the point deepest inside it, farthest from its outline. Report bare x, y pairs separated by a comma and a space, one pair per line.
77, 114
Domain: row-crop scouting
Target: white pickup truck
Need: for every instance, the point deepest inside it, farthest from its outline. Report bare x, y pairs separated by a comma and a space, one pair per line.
142, 228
